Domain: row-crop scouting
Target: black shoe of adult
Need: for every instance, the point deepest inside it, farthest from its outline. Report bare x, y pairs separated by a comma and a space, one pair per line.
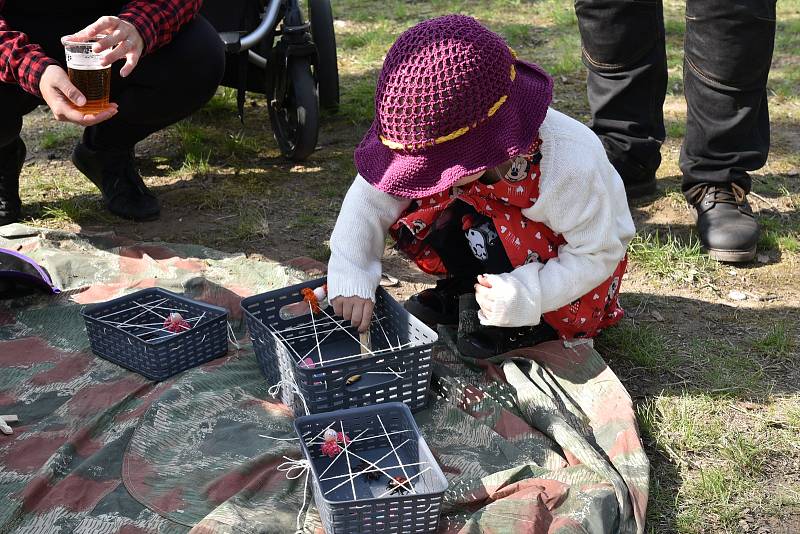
439, 305
12, 156
725, 222
640, 188
490, 341
115, 174
639, 178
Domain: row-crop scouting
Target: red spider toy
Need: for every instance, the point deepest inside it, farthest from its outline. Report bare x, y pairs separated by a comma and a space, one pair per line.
398, 484
176, 323
330, 447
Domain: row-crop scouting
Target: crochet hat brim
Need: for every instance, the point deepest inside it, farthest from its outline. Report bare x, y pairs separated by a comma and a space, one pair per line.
509, 132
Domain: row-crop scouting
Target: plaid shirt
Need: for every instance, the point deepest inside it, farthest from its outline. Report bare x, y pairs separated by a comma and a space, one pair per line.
23, 62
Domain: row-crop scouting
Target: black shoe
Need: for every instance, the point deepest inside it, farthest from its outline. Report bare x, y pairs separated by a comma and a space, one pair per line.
639, 179
640, 188
439, 305
478, 341
115, 174
12, 156
725, 222
490, 341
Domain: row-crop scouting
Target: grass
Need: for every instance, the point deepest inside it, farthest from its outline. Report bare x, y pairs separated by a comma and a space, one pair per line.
196, 163
676, 129
75, 210
779, 342
672, 258
778, 234
718, 463
640, 343
726, 367
251, 223
59, 138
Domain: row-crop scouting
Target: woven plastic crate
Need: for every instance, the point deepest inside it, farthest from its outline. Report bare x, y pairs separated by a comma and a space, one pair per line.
156, 355
387, 436
401, 375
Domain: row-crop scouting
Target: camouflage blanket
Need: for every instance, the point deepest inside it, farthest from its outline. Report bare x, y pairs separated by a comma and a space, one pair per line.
543, 440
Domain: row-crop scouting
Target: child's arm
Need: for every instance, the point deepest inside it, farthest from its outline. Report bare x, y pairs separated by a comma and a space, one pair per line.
582, 198
357, 242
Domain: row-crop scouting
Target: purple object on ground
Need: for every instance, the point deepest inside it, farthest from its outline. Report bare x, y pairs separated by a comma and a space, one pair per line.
18, 272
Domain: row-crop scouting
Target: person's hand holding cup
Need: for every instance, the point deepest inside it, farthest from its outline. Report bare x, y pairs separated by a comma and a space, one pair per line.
117, 38
82, 96
67, 102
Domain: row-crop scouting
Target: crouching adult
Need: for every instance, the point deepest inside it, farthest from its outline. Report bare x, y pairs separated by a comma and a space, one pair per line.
166, 62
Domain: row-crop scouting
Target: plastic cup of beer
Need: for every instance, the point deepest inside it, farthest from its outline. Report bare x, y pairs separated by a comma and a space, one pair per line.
87, 73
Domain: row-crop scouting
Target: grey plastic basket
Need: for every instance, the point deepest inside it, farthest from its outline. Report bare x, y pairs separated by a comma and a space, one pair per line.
369, 513
325, 387
162, 358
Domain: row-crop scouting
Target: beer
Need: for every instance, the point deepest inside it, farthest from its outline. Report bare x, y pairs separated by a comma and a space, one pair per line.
87, 73
95, 86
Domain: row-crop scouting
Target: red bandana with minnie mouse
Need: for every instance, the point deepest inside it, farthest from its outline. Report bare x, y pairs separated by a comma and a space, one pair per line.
524, 241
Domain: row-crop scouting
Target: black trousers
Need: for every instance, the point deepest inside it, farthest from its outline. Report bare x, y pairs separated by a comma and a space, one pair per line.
165, 86
727, 54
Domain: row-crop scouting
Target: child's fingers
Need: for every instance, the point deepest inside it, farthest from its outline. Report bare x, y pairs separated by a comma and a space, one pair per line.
485, 301
484, 280
337, 306
484, 292
357, 314
347, 309
366, 316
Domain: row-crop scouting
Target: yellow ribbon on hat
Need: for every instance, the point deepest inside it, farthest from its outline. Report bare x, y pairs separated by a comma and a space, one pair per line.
394, 145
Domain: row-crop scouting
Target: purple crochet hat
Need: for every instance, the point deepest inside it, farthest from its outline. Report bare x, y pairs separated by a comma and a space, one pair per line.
452, 100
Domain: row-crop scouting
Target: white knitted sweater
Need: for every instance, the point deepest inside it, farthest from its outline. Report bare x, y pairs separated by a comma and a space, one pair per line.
581, 197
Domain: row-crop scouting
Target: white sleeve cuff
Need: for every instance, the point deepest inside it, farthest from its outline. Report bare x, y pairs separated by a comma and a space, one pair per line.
517, 297
358, 239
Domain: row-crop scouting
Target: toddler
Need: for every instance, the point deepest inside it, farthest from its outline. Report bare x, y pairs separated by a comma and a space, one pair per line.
480, 182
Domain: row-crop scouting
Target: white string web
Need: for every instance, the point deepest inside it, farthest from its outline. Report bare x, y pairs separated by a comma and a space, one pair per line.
150, 317
322, 328
383, 472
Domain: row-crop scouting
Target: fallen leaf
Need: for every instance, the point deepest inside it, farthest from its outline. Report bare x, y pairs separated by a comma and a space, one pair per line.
657, 316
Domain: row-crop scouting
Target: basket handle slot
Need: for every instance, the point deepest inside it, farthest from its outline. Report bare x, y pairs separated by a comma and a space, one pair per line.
369, 380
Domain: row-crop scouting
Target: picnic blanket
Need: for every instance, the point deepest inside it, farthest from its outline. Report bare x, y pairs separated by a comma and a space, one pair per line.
542, 440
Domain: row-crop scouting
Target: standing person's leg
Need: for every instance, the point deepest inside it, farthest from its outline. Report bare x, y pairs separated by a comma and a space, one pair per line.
14, 104
165, 87
623, 48
728, 51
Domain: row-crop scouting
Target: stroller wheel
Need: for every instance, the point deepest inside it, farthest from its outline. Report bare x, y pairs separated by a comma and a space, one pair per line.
321, 18
293, 108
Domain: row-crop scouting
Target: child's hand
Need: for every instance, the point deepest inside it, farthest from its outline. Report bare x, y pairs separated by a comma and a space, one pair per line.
485, 296
504, 301
354, 309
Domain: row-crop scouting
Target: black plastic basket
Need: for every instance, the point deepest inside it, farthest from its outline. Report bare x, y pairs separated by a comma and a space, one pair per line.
162, 355
401, 375
371, 511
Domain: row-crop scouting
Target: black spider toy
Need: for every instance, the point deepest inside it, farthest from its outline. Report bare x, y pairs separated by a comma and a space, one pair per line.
368, 472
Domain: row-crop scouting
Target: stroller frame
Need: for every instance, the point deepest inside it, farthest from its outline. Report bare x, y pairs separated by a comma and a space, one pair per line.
300, 75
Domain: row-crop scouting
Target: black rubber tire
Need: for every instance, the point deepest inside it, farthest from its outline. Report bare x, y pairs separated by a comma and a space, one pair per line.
294, 115
320, 16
